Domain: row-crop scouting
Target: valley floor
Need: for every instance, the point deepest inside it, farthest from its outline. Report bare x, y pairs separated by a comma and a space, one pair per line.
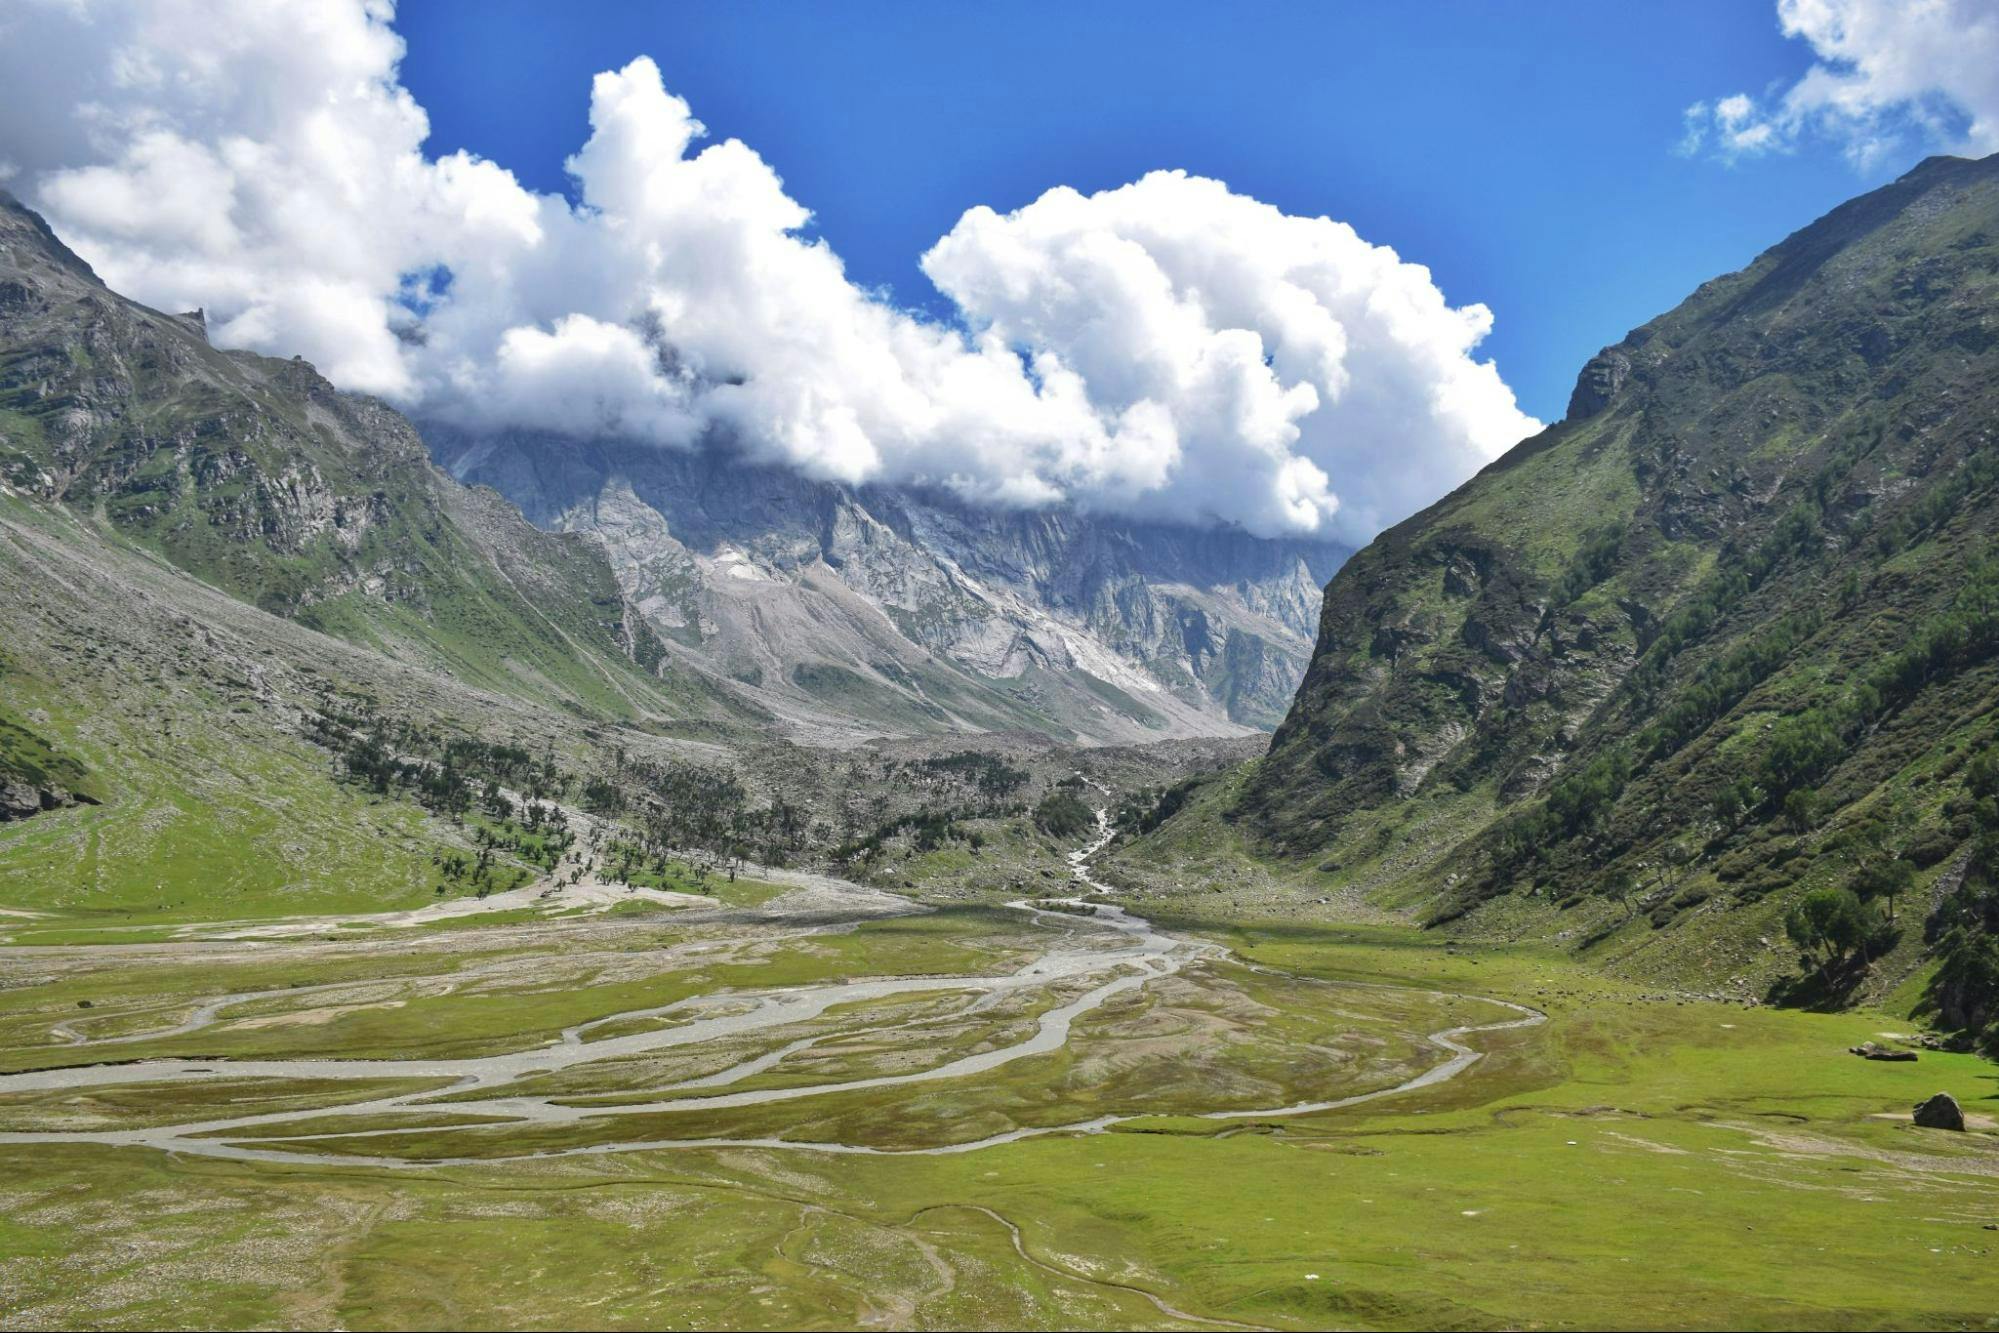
818, 1105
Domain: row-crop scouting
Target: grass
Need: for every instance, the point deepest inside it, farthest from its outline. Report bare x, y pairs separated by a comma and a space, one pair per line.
27, 757
1638, 1161
630, 866
202, 820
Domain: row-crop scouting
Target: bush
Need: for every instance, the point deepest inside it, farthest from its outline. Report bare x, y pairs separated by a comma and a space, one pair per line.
1062, 814
1885, 879
1829, 925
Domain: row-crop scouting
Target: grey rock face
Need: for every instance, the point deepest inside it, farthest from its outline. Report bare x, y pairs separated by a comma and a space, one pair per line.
18, 800
894, 609
1601, 378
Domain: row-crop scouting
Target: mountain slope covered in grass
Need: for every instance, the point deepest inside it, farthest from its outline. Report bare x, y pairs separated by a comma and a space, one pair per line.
257, 476
1720, 646
205, 555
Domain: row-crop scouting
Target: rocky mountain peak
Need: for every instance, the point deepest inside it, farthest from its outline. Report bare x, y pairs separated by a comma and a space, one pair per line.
857, 610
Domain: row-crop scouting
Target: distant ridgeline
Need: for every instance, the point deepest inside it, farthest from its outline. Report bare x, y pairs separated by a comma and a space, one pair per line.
887, 609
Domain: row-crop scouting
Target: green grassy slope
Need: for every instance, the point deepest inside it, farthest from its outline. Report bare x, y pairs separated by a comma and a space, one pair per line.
30, 761
1724, 636
257, 476
178, 708
200, 553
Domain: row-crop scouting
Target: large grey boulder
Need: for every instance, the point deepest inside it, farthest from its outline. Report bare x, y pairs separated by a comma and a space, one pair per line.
1940, 1112
18, 800
1599, 383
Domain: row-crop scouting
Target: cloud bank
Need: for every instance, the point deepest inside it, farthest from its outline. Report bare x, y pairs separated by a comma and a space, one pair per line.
1169, 349
1887, 72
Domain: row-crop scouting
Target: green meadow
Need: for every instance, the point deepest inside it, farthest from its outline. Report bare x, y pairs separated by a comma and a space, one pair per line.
1638, 1160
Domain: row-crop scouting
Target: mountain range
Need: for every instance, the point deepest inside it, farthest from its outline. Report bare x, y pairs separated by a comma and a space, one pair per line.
1717, 645
699, 592
849, 610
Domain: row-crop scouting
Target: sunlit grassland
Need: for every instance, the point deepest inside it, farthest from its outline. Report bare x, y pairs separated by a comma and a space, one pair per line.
197, 822
1634, 1162
277, 838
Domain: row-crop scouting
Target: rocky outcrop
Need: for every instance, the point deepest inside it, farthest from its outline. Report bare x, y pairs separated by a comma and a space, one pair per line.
1874, 1050
1598, 385
21, 797
18, 800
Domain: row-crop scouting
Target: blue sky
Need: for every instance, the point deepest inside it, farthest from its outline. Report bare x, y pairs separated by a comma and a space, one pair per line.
1118, 255
1523, 152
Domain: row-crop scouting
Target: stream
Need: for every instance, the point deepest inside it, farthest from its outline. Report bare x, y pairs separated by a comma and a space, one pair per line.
1098, 942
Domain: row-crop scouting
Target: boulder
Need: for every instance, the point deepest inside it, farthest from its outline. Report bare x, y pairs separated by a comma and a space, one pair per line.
1940, 1112
18, 800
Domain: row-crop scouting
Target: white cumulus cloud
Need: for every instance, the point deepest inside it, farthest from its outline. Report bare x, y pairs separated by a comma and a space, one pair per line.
1888, 72
1169, 348
1283, 356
